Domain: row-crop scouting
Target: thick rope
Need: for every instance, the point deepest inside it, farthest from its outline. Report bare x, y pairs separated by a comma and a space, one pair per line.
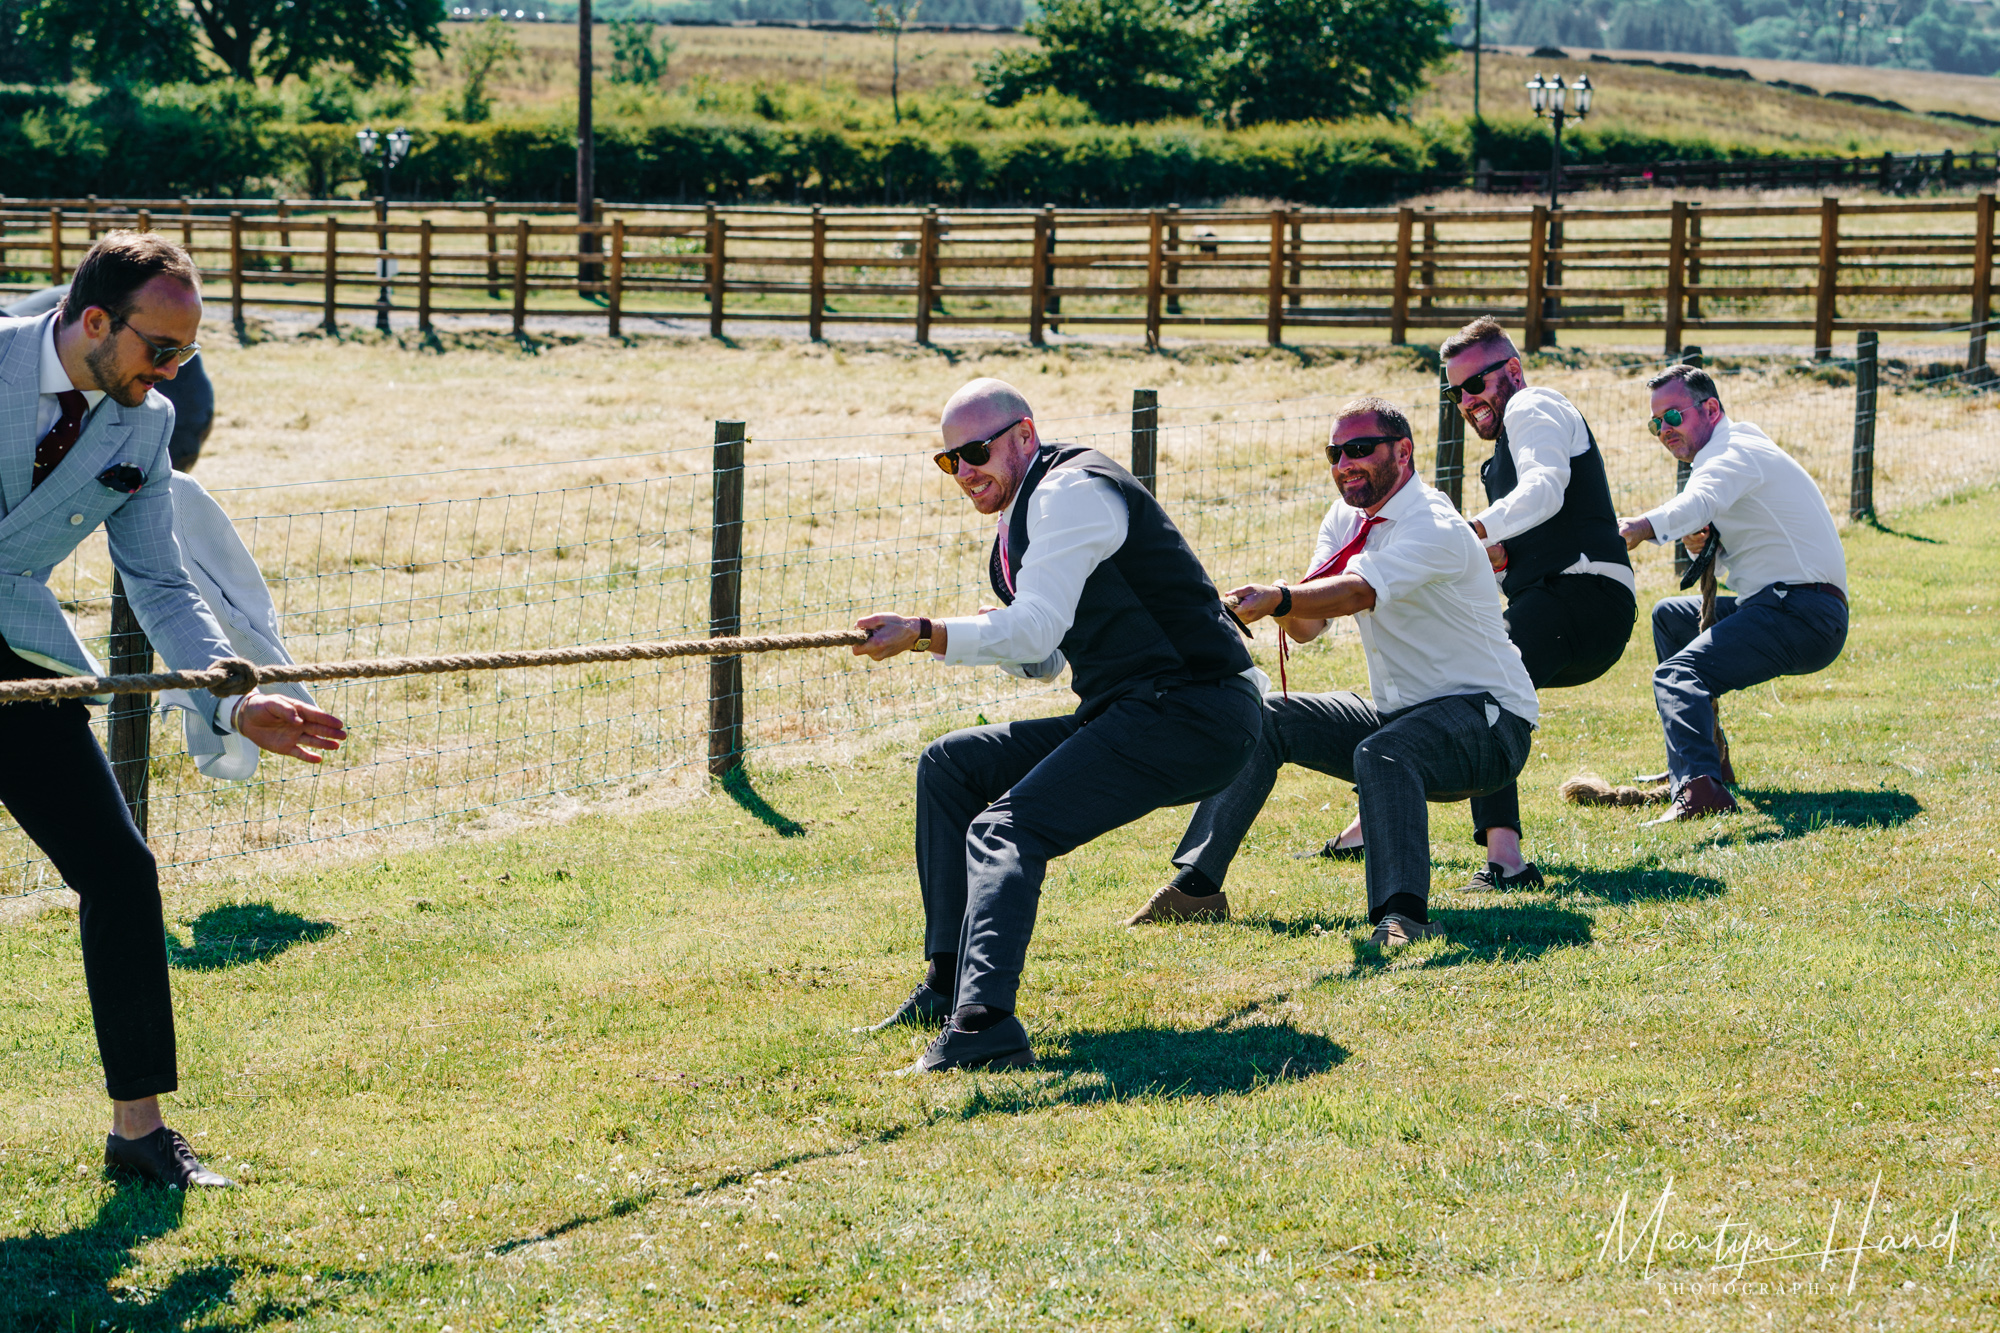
233, 675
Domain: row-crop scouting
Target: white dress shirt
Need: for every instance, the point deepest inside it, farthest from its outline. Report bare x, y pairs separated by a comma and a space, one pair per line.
1436, 628
1544, 431
1076, 521
1774, 522
55, 380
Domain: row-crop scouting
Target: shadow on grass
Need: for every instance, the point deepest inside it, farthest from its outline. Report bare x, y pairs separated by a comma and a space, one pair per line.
64, 1281
238, 933
1628, 883
736, 782
1870, 520
1797, 813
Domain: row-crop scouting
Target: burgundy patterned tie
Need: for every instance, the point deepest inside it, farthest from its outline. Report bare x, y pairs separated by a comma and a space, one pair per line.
62, 436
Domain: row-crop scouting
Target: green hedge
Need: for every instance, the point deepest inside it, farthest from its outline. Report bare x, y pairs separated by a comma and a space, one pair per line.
161, 146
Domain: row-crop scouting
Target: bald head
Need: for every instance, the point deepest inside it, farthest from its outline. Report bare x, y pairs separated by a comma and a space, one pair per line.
981, 408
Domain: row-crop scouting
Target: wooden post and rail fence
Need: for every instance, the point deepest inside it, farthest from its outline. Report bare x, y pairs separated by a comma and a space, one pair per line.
1822, 269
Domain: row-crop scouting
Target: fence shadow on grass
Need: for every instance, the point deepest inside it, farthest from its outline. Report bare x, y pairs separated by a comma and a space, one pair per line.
238, 933
736, 782
63, 1281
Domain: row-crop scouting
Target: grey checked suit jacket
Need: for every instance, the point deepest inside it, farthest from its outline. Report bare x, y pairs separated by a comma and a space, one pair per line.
40, 527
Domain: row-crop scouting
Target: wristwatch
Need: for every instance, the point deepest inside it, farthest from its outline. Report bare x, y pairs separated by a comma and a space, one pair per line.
923, 644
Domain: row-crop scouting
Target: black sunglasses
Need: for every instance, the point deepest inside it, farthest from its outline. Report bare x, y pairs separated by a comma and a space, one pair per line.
975, 452
1358, 448
1475, 382
162, 356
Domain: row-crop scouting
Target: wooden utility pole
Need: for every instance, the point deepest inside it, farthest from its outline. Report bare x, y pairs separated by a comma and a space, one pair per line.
586, 153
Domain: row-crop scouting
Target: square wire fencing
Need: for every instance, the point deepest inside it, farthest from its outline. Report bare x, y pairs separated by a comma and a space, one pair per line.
783, 535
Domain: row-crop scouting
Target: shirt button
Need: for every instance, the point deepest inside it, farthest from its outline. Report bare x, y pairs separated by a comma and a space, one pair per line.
75, 519
27, 573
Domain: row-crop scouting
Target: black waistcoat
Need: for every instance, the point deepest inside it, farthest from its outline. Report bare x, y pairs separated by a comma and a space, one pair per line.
1149, 618
1586, 527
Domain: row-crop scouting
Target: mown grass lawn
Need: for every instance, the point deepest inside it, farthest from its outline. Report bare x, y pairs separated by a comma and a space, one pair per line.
601, 1075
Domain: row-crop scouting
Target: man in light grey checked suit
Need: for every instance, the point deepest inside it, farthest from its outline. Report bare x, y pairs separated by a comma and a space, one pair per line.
83, 442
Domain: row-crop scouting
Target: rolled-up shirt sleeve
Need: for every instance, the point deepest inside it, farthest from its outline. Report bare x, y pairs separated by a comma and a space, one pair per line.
1543, 438
1396, 573
1075, 522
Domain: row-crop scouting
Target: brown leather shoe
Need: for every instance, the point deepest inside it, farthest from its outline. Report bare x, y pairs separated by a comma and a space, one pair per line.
162, 1156
1698, 797
1170, 904
1396, 930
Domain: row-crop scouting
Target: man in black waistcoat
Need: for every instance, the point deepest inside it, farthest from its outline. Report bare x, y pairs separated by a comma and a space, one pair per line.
1552, 535
1090, 572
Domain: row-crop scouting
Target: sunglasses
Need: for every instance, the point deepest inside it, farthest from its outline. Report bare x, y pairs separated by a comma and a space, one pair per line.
162, 356
1358, 448
1474, 383
1673, 416
975, 452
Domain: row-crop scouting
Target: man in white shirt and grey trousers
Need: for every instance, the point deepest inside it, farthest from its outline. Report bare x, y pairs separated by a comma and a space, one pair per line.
1451, 708
1782, 554
1091, 574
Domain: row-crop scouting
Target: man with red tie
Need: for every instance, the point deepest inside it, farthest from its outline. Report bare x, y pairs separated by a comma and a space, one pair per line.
83, 444
1451, 708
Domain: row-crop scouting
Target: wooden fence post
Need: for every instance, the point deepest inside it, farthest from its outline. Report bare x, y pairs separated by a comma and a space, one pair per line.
329, 321
1274, 295
492, 249
520, 277
285, 235
1155, 273
236, 272
1982, 288
1693, 282
1450, 471
614, 295
1689, 357
1146, 438
1861, 481
145, 224
55, 247
90, 218
1532, 334
1296, 274
1430, 276
725, 601
1676, 271
927, 239
1829, 274
718, 234
1173, 247
816, 312
1399, 299
1051, 300
129, 738
424, 276
1038, 280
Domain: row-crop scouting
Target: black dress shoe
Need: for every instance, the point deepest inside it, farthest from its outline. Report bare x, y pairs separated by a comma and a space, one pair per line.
164, 1156
1333, 851
925, 1009
1002, 1046
1496, 877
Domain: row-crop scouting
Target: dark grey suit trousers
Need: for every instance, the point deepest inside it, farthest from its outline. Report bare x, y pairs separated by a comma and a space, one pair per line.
1447, 749
995, 804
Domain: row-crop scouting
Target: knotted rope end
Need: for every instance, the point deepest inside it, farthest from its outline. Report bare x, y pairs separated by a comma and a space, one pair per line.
238, 676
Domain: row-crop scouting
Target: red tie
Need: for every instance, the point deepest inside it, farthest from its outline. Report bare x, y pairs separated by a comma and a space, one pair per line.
1334, 564
62, 436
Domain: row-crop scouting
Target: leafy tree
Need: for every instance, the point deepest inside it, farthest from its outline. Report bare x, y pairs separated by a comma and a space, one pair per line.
1694, 26
1285, 60
1556, 23
892, 17
144, 41
1128, 60
480, 53
634, 57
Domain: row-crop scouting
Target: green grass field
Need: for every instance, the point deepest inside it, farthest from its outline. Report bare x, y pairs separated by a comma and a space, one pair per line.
599, 1076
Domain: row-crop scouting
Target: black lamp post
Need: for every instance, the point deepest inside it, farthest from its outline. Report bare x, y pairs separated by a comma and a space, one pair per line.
388, 150
1547, 97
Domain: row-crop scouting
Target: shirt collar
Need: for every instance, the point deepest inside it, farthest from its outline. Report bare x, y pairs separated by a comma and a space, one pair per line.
54, 378
1400, 503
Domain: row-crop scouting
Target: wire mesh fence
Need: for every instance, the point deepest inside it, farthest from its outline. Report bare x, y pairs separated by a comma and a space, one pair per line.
832, 528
